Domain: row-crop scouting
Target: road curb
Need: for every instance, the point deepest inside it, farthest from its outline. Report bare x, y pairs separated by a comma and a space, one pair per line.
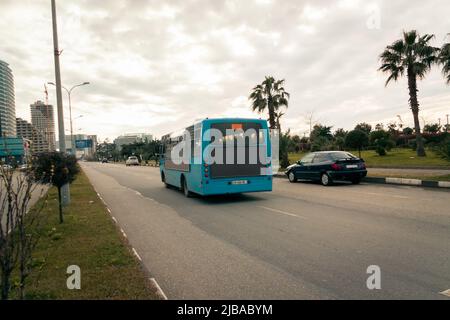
397, 181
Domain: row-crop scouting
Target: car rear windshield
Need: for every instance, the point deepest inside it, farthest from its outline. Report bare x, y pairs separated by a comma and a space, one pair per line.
132, 158
341, 155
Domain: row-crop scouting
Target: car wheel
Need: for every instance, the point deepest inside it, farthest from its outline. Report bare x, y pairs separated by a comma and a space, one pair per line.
291, 177
325, 179
185, 189
356, 181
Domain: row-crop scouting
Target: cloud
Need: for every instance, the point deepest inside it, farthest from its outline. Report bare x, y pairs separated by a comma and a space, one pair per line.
157, 66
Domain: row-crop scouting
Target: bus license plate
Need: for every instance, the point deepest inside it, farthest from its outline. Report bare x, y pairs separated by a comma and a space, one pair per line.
239, 182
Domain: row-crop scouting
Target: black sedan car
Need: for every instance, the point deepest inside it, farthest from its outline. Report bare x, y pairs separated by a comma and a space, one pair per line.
328, 166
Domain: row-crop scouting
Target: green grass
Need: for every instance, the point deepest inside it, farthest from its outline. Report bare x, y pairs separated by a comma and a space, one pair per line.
396, 158
88, 238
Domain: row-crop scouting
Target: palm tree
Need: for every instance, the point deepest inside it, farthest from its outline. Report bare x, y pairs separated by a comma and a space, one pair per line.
414, 56
270, 95
444, 59
278, 116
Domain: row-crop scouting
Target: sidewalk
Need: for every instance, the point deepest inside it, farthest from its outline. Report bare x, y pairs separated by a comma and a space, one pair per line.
416, 172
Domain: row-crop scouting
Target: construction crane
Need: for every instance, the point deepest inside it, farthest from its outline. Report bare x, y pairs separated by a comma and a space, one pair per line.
46, 94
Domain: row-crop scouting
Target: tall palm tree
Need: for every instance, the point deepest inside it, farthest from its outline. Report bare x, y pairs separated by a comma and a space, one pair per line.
414, 56
270, 95
444, 59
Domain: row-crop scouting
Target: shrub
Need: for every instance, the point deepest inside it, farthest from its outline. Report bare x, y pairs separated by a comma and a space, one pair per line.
381, 151
443, 149
381, 140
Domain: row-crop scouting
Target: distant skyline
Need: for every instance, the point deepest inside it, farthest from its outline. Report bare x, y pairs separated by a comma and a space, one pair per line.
156, 66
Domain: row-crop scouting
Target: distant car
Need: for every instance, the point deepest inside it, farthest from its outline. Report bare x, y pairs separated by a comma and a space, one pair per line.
328, 166
104, 160
23, 167
132, 161
6, 167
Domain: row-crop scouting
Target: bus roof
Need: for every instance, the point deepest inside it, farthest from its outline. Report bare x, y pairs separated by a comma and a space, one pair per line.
177, 133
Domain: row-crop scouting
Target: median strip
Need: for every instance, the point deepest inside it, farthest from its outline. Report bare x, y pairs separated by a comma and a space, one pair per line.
89, 239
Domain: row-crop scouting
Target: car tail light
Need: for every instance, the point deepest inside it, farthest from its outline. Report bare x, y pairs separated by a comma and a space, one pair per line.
335, 166
362, 165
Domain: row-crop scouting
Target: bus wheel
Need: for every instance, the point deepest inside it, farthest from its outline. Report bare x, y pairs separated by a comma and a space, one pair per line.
184, 188
163, 179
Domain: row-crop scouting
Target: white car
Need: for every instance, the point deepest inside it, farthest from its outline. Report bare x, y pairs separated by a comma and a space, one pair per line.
132, 161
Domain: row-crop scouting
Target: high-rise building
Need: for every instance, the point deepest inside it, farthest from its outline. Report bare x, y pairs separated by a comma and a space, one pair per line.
7, 102
27, 131
42, 118
130, 138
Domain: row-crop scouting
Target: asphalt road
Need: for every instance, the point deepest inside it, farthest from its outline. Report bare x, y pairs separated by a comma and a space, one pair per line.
301, 241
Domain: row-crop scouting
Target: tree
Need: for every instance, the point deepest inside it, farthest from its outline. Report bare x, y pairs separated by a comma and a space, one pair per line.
105, 150
321, 131
367, 128
414, 56
444, 59
392, 128
432, 128
284, 145
20, 227
408, 131
270, 95
55, 168
294, 144
340, 133
357, 139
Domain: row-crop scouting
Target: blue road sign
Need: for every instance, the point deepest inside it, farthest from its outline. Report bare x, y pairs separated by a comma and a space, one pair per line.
82, 144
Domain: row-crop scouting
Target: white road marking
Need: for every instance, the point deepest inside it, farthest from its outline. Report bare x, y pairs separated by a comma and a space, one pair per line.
282, 212
446, 293
108, 210
123, 233
158, 289
136, 254
114, 219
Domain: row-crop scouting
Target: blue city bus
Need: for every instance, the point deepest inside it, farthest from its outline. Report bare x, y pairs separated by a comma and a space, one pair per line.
206, 176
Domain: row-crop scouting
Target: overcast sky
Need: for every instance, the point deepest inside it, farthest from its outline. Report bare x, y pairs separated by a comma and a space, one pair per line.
156, 66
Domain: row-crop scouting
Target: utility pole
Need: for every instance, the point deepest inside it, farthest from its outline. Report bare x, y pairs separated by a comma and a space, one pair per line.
62, 138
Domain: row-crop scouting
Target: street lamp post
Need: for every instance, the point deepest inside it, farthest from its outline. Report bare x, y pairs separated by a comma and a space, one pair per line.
69, 93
